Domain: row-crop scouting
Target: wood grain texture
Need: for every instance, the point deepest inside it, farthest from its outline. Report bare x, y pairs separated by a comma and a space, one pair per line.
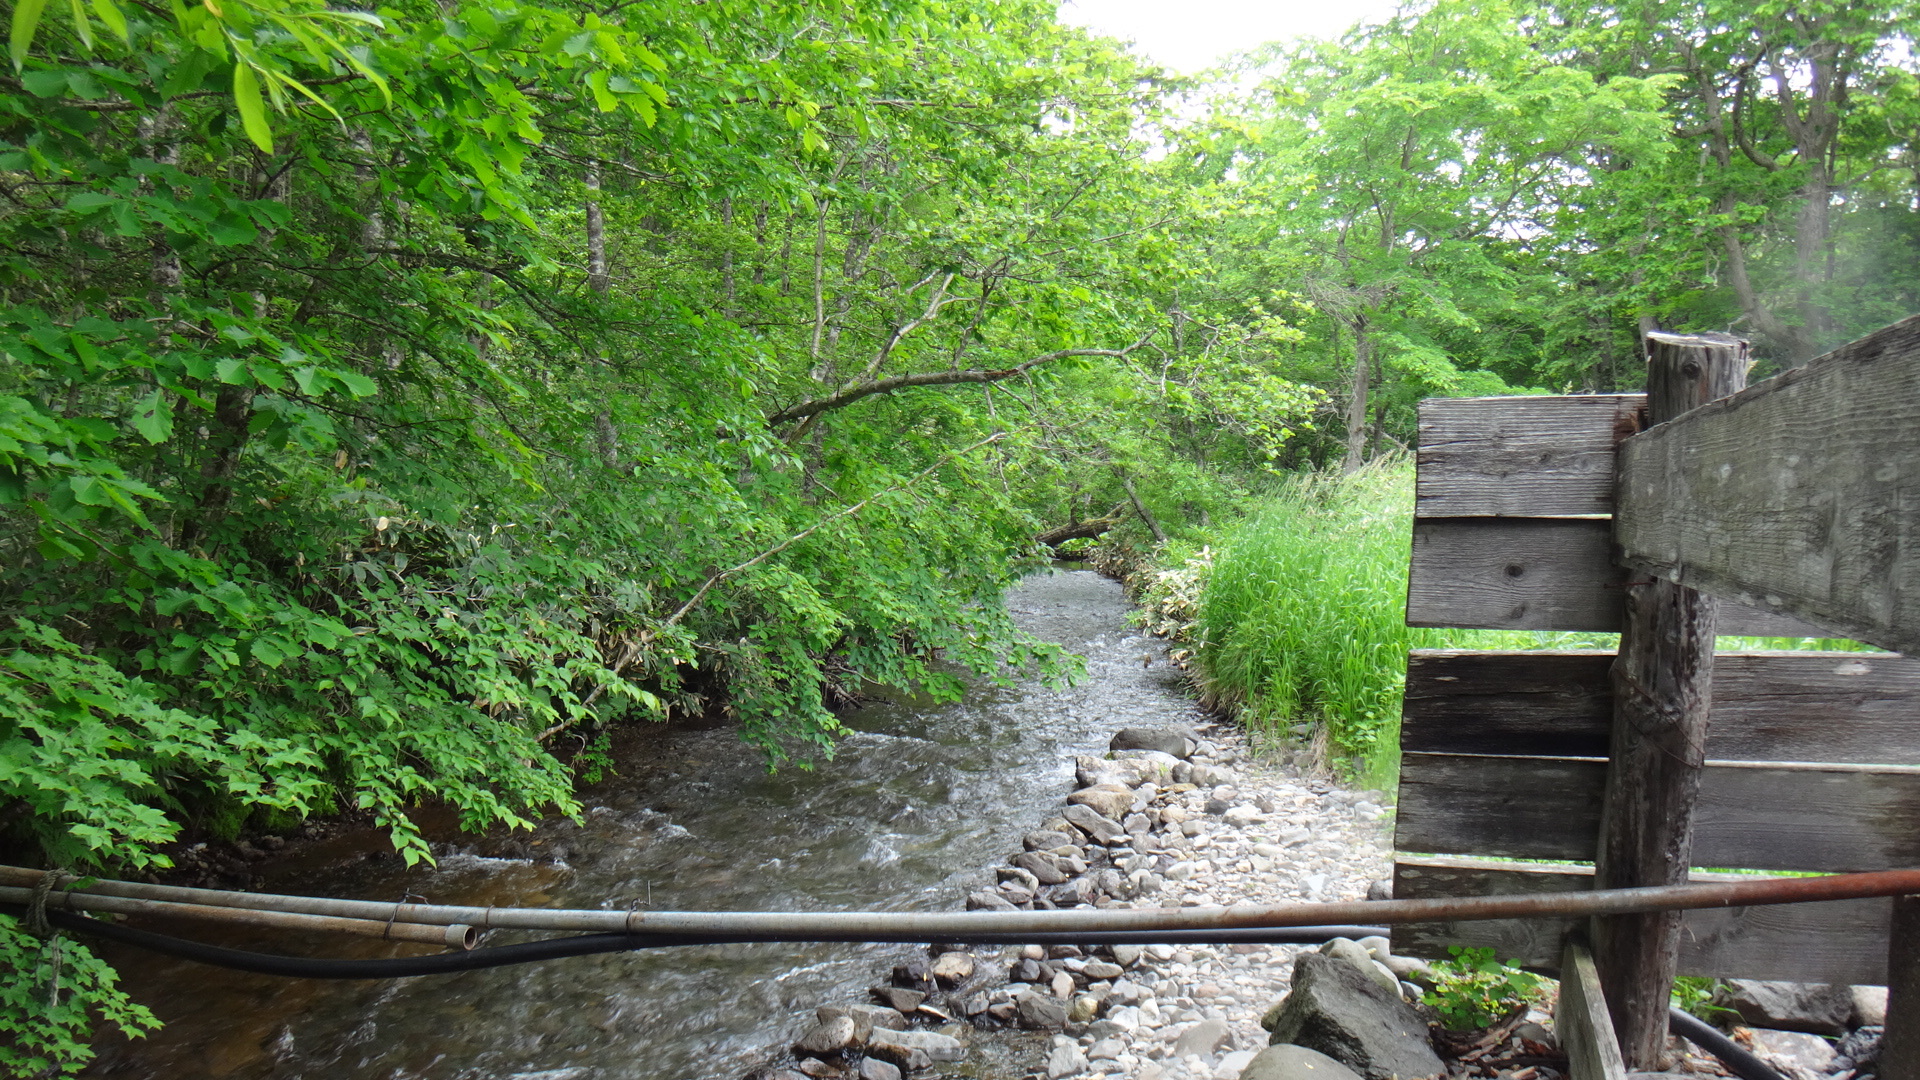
1758, 816
1521, 456
1799, 495
1581, 1020
1900, 1052
1828, 707
1842, 941
1538, 574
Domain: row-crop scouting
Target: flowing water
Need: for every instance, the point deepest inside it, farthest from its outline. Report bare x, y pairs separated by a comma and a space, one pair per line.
918, 803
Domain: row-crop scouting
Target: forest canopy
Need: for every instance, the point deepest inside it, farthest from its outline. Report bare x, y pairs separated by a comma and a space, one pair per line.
394, 399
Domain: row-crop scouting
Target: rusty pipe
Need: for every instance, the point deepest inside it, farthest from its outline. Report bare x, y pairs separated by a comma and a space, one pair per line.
847, 925
453, 936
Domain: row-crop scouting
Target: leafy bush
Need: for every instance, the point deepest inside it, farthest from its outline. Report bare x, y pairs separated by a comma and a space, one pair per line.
1474, 989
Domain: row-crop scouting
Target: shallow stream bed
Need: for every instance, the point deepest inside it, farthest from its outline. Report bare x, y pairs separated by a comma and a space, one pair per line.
918, 804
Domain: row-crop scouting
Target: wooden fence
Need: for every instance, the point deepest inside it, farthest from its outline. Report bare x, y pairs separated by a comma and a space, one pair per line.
1797, 502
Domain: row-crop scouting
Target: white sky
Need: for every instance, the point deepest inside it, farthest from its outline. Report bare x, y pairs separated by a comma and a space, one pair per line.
1189, 35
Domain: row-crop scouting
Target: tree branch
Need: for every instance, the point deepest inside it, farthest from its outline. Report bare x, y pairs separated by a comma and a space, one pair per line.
933, 378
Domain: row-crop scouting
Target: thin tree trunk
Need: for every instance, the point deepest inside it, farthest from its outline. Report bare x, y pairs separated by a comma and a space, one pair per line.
1140, 508
1357, 404
605, 434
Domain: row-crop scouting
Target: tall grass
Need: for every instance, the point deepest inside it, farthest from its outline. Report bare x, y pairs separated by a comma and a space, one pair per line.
1303, 617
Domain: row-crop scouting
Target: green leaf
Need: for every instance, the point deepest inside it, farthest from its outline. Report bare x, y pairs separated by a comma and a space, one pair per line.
45, 84
26, 19
232, 230
153, 417
253, 111
113, 18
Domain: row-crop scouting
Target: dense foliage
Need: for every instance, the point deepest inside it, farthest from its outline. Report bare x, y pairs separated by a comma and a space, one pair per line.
391, 400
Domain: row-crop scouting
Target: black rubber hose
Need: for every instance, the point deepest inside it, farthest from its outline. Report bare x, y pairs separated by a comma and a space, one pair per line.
301, 967
1735, 1057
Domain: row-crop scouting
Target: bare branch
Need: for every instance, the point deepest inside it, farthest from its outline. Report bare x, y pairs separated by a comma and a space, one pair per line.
934, 378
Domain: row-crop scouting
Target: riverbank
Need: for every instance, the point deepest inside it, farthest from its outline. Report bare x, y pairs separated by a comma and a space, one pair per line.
1253, 830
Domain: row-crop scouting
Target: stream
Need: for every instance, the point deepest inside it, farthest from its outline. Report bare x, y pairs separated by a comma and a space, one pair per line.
919, 803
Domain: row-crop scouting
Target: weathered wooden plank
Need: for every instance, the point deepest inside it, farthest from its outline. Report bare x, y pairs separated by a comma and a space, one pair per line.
1780, 816
1521, 456
1841, 941
1829, 707
1799, 495
1581, 1020
1900, 1052
1537, 574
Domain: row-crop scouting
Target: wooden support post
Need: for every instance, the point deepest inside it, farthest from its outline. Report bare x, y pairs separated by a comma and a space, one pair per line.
1662, 688
1900, 1050
1580, 1018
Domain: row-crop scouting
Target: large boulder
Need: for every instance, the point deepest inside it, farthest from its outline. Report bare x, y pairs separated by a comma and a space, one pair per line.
1353, 1019
1290, 1062
1172, 741
1786, 1006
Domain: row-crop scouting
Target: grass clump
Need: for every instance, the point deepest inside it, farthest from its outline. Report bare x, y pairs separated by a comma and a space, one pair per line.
1301, 621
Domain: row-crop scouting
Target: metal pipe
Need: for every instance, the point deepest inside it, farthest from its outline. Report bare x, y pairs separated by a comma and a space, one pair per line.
934, 926
455, 936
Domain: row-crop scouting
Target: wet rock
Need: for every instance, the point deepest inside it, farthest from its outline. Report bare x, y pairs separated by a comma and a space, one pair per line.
873, 1068
831, 1014
1290, 1062
1179, 744
898, 999
904, 1058
875, 1016
1342, 1013
831, 1037
952, 969
975, 1003
1029, 970
1019, 875
813, 1067
1047, 840
1786, 1006
989, 901
1037, 1012
936, 1046
1107, 800
1202, 1038
1044, 867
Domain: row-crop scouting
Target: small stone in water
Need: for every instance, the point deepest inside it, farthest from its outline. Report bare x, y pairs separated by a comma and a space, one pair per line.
874, 1069
953, 968
828, 1038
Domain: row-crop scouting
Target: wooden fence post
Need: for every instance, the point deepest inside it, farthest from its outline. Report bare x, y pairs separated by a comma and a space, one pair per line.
1662, 689
1900, 1053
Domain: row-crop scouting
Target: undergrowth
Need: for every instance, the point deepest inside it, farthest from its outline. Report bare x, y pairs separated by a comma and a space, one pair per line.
1296, 617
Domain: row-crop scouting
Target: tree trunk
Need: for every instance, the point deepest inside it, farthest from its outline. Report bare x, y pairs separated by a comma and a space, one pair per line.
1140, 508
1357, 403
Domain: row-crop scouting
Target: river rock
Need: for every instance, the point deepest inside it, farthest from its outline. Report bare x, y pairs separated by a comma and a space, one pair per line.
1101, 828
1128, 955
1106, 1049
1072, 894
1795, 1053
1290, 1062
813, 1067
900, 1000
1062, 985
989, 901
1202, 1038
1179, 744
830, 1037
1065, 1059
1356, 954
873, 1068
1084, 1009
1101, 969
1044, 867
952, 969
1047, 840
1787, 1006
1037, 1012
862, 1022
1107, 800
1859, 1050
904, 1058
1350, 1017
1869, 1006
874, 1016
937, 1047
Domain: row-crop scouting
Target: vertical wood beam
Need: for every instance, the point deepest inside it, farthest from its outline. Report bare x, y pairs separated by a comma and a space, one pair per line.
1662, 690
1900, 1048
1580, 1018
